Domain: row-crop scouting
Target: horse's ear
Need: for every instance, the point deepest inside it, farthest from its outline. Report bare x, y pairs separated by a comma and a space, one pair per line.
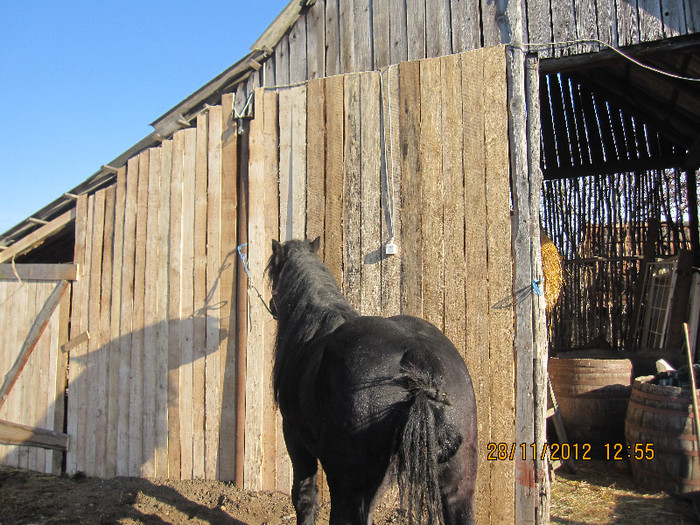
277, 253
315, 244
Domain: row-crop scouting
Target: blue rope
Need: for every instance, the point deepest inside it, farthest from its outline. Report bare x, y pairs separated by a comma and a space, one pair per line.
536, 287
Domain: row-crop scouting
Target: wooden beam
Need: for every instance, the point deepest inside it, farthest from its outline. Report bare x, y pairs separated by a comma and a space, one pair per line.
16, 434
611, 168
32, 338
37, 237
39, 272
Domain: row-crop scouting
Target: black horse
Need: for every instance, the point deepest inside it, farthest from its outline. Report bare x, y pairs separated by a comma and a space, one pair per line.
375, 399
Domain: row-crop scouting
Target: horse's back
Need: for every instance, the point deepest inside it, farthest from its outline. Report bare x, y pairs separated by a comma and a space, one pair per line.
364, 360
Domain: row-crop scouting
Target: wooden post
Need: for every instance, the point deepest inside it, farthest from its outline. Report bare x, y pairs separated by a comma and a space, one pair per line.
691, 182
241, 311
539, 325
531, 497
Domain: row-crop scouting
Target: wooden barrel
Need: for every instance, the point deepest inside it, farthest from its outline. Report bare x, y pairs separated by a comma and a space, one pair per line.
663, 417
592, 394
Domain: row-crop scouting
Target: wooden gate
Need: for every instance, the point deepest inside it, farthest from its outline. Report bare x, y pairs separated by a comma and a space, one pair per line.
417, 154
34, 310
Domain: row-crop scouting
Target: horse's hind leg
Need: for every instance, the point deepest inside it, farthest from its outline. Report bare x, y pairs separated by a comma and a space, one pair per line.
304, 487
350, 504
457, 485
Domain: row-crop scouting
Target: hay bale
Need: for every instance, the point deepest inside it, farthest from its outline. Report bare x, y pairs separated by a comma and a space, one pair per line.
553, 272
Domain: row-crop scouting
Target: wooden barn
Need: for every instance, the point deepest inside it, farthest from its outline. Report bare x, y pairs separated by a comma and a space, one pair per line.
135, 341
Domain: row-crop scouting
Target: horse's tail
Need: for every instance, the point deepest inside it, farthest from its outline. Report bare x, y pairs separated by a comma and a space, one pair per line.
426, 441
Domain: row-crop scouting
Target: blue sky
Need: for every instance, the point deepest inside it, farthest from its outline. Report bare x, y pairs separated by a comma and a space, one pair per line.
81, 80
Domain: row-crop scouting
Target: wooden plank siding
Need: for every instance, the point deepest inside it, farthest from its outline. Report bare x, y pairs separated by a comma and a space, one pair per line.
449, 143
362, 35
155, 284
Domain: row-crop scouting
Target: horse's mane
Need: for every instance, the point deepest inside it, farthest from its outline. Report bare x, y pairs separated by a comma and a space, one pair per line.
309, 304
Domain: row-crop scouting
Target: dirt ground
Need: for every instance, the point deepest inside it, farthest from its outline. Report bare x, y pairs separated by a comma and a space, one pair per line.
598, 493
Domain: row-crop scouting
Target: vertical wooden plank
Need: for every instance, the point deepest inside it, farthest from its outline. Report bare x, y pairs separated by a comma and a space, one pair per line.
61, 360
674, 19
332, 37
202, 301
31, 373
315, 20
335, 174
476, 285
499, 277
398, 42
161, 351
84, 380
298, 154
347, 36
492, 13
627, 24
466, 25
362, 28
315, 162
391, 193
292, 166
380, 34
297, 52
370, 195
692, 15
453, 176
282, 71
214, 294
539, 24
253, 466
438, 24
55, 386
175, 331
115, 320
411, 196
352, 216
564, 25
137, 335
540, 380
153, 257
126, 319
229, 175
187, 305
521, 178
286, 175
586, 25
16, 409
78, 326
607, 22
415, 29
92, 424
27, 459
432, 203
104, 351
276, 470
650, 21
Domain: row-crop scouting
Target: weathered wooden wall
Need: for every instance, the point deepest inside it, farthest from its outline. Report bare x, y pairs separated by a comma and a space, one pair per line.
37, 398
149, 393
347, 36
318, 167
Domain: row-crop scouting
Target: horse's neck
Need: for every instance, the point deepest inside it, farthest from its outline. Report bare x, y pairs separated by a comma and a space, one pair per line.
321, 302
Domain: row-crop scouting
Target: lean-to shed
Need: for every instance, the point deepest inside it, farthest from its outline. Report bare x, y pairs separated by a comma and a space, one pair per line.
425, 124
